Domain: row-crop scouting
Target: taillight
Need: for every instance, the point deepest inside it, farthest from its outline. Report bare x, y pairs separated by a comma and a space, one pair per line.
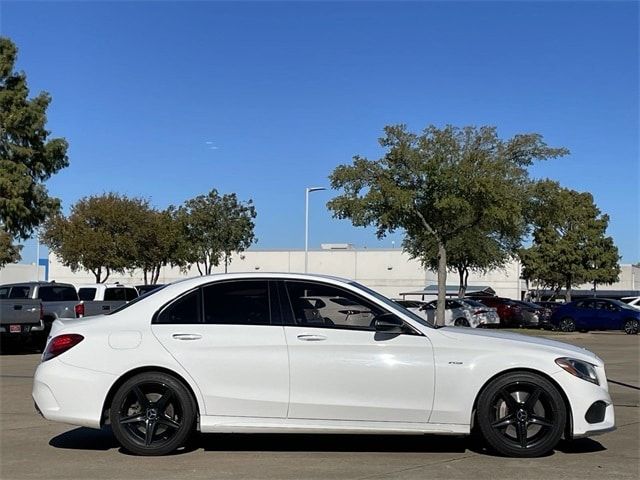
61, 344
79, 308
479, 312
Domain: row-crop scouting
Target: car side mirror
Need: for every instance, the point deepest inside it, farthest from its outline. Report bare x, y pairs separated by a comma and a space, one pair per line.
388, 323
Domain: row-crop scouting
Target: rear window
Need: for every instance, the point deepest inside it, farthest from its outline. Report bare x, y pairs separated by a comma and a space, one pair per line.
87, 293
19, 293
130, 293
115, 293
57, 293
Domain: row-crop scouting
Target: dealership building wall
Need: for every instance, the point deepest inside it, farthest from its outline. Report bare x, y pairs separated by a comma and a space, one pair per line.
389, 271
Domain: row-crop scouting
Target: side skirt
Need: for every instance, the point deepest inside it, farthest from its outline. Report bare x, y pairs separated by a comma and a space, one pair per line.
218, 424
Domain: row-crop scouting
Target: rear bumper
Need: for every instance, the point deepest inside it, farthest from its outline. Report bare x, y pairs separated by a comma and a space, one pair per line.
70, 394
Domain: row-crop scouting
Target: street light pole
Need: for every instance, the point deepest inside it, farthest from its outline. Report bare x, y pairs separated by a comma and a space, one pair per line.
37, 255
307, 191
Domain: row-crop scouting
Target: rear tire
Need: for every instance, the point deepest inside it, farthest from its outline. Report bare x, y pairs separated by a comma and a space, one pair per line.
152, 413
631, 327
521, 415
567, 324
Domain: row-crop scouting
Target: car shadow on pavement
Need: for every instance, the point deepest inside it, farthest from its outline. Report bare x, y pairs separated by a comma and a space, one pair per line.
91, 439
580, 445
332, 443
82, 438
13, 347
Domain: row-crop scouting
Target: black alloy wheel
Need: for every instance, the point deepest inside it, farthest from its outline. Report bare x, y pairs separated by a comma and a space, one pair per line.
631, 327
521, 415
461, 322
567, 325
152, 414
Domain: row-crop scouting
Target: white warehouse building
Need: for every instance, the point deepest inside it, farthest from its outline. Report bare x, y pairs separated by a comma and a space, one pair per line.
389, 271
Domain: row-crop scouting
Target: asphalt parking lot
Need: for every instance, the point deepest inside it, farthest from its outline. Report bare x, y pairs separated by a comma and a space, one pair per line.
34, 448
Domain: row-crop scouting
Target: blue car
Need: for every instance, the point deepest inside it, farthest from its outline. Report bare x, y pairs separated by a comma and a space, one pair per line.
596, 314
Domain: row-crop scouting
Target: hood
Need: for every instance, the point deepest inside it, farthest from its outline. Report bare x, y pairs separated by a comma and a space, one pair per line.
553, 346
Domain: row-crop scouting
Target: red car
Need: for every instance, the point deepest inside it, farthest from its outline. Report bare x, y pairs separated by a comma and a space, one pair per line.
510, 312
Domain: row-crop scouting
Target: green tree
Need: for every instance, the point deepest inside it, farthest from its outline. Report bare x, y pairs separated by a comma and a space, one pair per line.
159, 242
472, 250
9, 253
569, 245
27, 156
438, 184
215, 226
100, 235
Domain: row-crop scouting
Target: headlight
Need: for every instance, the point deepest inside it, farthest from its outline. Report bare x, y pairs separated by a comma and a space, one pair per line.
580, 369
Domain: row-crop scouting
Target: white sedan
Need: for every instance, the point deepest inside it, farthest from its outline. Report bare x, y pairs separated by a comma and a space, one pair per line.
460, 312
249, 353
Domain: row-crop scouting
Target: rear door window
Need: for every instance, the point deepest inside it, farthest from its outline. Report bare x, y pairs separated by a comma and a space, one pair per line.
184, 310
237, 303
4, 293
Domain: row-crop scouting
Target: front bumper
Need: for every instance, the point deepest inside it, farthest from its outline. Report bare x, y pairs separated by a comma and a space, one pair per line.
582, 396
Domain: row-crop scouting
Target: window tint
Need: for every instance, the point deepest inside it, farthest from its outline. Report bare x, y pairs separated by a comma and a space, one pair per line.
114, 293
603, 305
19, 292
356, 313
57, 294
4, 292
237, 303
184, 310
130, 294
87, 293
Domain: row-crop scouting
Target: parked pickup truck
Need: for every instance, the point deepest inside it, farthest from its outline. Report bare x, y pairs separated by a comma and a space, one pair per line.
19, 319
100, 298
57, 300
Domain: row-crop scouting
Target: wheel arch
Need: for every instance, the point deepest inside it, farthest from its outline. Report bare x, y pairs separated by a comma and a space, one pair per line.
148, 368
568, 428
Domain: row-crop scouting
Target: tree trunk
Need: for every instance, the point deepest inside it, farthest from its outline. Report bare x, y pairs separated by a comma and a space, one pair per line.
144, 274
156, 274
97, 273
567, 295
442, 283
226, 262
595, 286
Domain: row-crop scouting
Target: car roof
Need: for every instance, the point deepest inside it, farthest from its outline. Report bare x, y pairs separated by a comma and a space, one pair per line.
258, 275
36, 284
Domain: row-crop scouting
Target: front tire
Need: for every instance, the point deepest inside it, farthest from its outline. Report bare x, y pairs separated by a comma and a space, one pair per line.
152, 413
521, 415
631, 327
461, 322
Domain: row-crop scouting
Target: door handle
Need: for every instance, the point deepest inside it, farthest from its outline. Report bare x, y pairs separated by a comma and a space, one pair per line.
187, 336
311, 338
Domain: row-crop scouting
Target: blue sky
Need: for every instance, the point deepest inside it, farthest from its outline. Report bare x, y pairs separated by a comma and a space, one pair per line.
287, 91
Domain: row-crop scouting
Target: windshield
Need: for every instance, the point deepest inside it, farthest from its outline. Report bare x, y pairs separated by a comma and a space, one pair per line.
394, 305
135, 300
